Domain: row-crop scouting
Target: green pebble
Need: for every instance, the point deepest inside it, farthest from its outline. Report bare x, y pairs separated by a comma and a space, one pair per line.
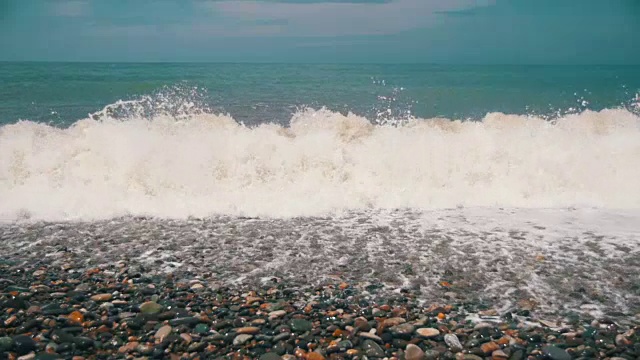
555, 353
300, 325
150, 307
590, 332
201, 329
6, 344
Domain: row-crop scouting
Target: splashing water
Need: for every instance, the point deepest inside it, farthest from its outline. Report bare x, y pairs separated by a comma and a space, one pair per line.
166, 156
179, 102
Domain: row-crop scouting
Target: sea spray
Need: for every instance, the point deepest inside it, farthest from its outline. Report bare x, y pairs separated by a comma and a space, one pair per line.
322, 162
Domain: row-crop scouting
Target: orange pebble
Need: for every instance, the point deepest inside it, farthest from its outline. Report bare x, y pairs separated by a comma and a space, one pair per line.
343, 285
489, 347
315, 356
76, 317
441, 316
337, 333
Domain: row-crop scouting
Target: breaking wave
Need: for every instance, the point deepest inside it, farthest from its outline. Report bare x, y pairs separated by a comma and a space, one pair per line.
201, 164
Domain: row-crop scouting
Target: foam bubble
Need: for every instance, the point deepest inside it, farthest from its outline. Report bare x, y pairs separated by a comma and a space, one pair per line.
204, 164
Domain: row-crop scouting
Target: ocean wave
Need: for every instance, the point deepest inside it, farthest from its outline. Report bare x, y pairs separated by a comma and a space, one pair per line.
201, 164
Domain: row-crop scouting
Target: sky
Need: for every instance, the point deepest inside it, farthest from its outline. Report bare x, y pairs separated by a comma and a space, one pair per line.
367, 31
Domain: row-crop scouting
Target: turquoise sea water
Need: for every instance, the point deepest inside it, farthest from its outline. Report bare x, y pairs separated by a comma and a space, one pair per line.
61, 93
95, 141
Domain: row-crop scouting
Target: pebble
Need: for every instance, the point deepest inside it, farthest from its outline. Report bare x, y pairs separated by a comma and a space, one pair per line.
12, 319
453, 342
186, 338
555, 353
431, 354
315, 356
241, 339
300, 325
413, 352
38, 273
201, 329
6, 344
150, 307
162, 333
277, 314
370, 336
489, 347
248, 330
428, 332
393, 321
101, 297
622, 340
372, 349
319, 323
23, 344
129, 347
499, 355
405, 329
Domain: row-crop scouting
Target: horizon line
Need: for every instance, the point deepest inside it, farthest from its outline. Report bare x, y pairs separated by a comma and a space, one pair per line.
309, 63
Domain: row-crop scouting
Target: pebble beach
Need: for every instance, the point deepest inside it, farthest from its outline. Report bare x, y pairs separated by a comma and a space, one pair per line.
86, 291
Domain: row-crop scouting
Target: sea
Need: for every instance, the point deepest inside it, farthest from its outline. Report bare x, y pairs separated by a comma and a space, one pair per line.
506, 183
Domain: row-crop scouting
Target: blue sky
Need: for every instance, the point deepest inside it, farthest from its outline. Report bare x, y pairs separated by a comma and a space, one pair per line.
440, 31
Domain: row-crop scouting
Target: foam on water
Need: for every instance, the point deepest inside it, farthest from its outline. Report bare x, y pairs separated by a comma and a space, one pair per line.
204, 164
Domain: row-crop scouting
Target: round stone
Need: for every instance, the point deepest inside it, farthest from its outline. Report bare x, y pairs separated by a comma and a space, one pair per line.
201, 329
405, 329
241, 339
150, 307
372, 349
6, 344
453, 342
277, 314
428, 332
83, 343
101, 297
300, 325
413, 352
393, 321
76, 317
555, 353
24, 344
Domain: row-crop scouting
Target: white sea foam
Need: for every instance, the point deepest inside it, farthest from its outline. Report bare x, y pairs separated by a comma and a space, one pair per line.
323, 162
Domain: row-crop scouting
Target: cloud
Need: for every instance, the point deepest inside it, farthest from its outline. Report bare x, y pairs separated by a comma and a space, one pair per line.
70, 8
336, 18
